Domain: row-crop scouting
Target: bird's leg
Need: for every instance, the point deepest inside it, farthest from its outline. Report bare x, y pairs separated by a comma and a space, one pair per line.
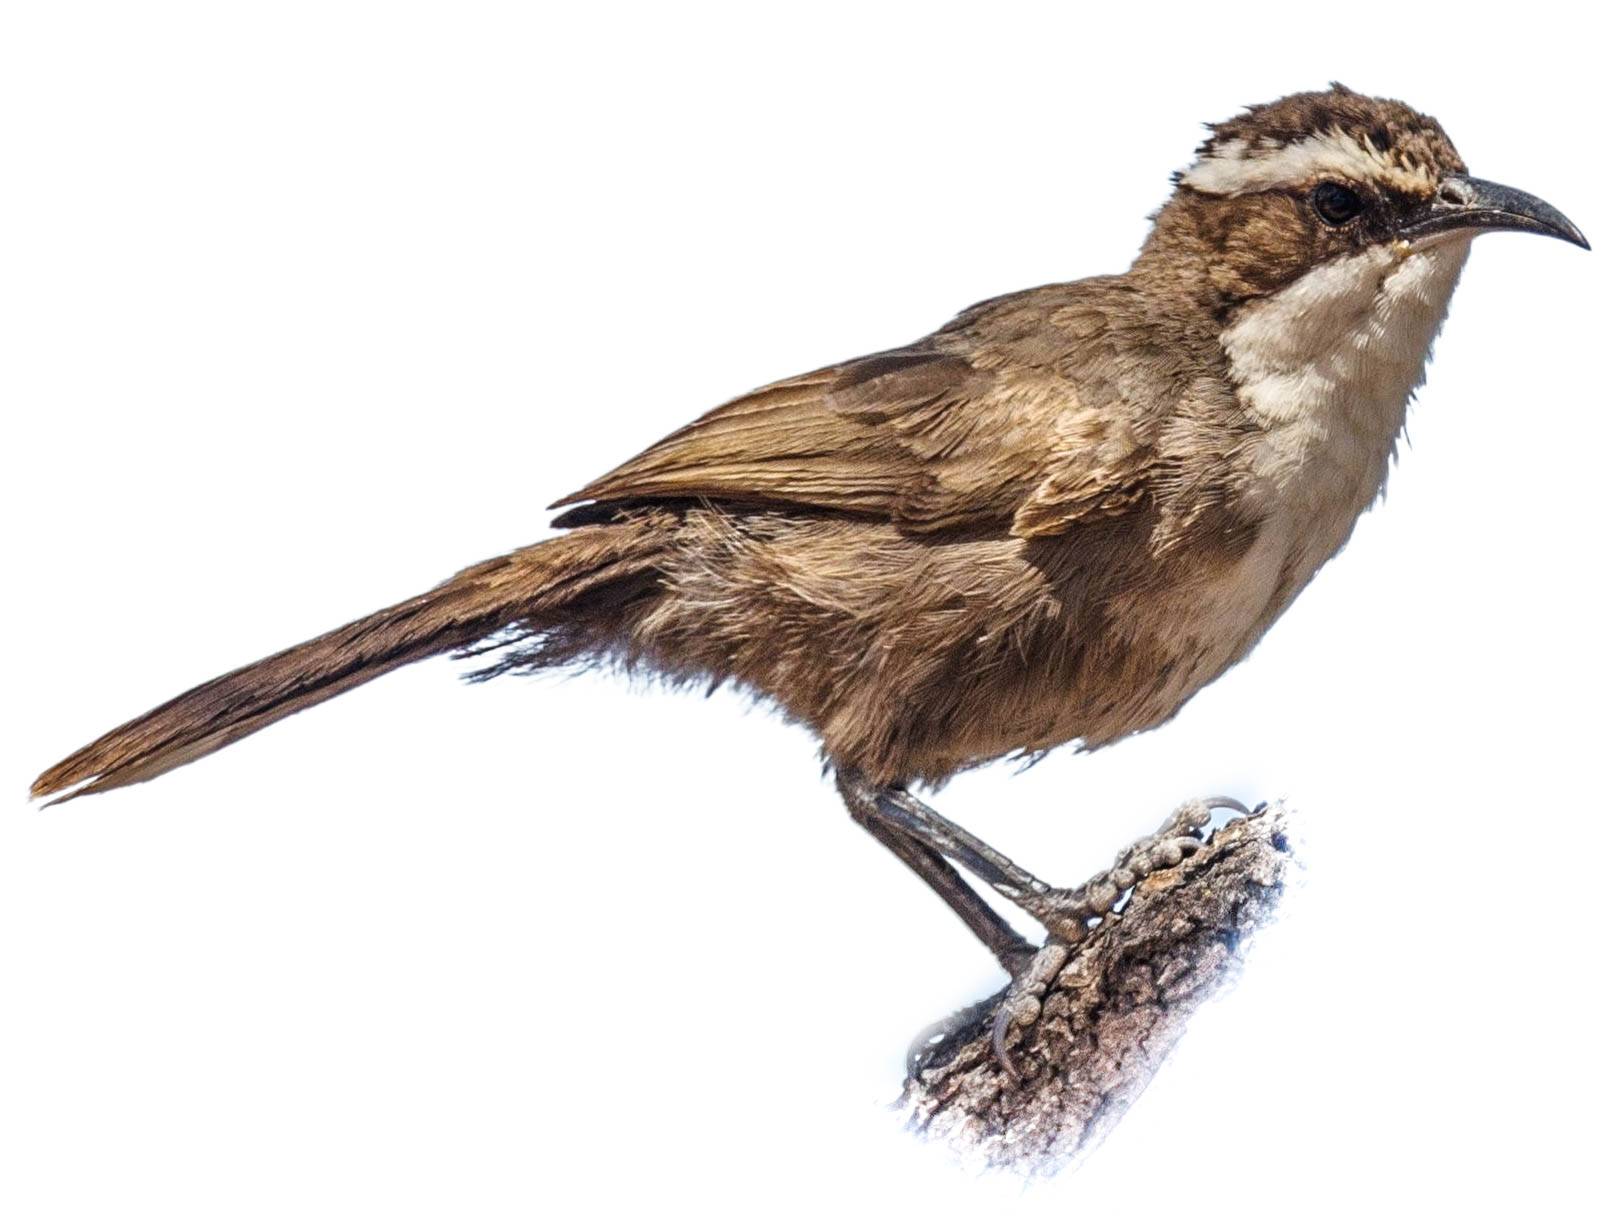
909, 817
899, 819
907, 814
1012, 951
1063, 912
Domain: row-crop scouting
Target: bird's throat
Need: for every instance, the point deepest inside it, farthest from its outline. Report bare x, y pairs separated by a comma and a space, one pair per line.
1326, 368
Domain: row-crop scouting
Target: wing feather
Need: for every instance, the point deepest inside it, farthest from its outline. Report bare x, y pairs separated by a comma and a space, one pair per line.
1014, 416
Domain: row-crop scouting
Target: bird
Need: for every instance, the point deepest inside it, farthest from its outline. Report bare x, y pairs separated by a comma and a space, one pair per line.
1049, 523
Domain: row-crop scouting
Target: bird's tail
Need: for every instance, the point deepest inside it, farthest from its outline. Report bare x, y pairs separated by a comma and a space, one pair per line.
529, 590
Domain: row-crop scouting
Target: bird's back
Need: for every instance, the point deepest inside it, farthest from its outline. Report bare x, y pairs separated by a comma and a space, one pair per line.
952, 551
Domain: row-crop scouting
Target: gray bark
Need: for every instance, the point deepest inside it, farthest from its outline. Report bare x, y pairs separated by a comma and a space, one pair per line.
1117, 1003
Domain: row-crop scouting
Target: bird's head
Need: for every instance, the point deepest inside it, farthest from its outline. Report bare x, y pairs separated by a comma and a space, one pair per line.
1319, 178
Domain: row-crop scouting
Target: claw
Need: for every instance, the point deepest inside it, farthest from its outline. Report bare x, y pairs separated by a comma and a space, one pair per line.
1021, 1011
1022, 1004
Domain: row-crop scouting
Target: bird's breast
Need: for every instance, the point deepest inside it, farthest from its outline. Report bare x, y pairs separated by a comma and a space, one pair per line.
1324, 370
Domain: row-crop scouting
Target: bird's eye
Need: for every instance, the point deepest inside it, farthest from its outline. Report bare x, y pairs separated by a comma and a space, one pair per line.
1336, 203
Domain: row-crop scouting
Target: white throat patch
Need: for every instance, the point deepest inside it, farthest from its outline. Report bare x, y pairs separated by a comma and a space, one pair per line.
1346, 341
1327, 367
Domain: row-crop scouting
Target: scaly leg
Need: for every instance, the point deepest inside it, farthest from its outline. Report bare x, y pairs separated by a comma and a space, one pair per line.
1011, 950
1064, 913
899, 820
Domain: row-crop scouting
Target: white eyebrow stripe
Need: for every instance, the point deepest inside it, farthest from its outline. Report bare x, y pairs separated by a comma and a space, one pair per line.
1237, 167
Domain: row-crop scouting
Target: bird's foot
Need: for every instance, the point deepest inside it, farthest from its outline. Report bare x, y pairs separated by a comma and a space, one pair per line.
1067, 914
941, 1040
1013, 1009
1020, 1004
1070, 914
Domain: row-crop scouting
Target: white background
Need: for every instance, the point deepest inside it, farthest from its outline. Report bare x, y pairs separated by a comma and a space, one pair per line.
306, 306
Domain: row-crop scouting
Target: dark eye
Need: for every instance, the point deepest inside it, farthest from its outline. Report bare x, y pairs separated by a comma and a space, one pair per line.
1336, 203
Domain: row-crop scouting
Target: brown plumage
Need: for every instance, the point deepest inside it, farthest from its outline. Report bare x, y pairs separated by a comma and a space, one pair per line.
567, 574
1052, 521
909, 552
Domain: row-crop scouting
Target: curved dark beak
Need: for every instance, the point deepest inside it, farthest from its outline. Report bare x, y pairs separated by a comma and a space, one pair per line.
1470, 203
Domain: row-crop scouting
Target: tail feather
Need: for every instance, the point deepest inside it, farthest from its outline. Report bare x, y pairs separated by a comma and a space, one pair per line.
525, 587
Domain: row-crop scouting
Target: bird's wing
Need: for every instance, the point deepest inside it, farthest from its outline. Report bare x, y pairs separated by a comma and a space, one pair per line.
935, 436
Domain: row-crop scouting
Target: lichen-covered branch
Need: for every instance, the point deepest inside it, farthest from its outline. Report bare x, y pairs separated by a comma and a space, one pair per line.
1117, 1003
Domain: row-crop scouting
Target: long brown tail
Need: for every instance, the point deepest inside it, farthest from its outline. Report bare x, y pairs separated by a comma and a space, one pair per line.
528, 588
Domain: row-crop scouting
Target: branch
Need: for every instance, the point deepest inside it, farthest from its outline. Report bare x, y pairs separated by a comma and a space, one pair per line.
1118, 1003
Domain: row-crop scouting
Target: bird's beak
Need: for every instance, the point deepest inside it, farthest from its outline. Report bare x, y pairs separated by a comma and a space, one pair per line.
1468, 203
